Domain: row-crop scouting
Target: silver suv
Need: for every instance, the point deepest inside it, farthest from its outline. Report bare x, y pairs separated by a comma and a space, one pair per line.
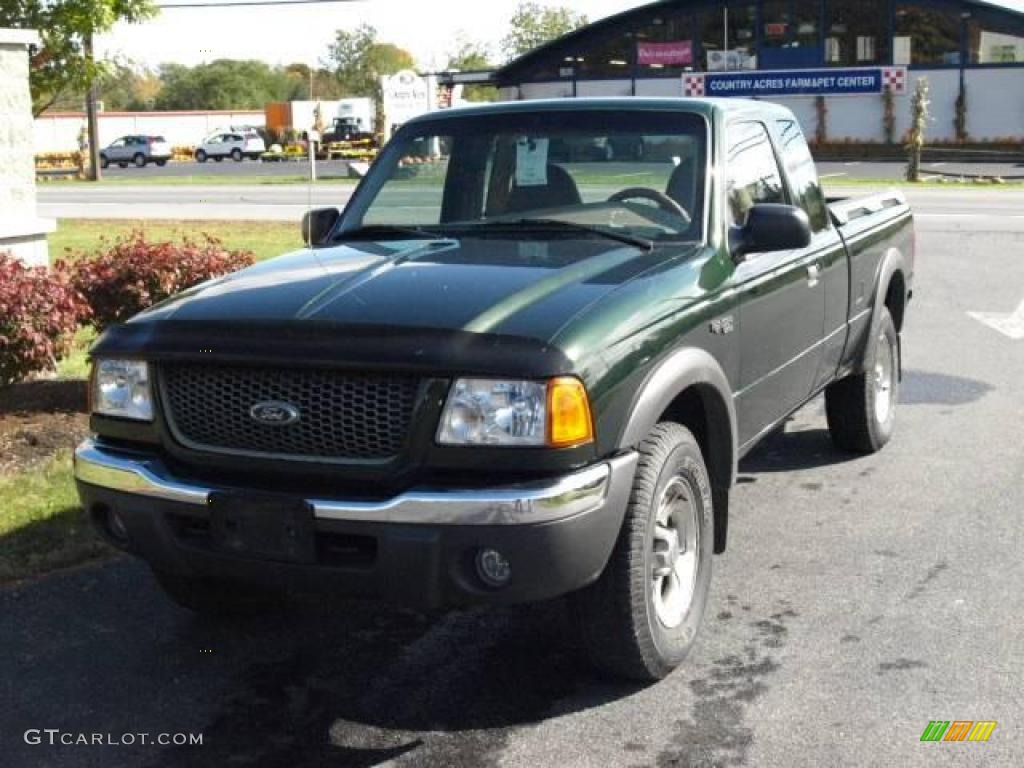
237, 145
139, 150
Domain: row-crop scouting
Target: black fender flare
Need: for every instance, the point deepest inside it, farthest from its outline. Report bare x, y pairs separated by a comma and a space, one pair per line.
683, 369
891, 263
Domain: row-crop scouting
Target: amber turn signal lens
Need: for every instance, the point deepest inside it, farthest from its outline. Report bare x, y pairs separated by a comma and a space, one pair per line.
569, 420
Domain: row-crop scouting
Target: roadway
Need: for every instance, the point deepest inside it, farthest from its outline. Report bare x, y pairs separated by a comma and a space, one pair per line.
284, 202
859, 169
861, 597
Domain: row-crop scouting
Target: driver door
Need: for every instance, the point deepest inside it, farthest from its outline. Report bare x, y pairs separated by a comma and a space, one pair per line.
782, 304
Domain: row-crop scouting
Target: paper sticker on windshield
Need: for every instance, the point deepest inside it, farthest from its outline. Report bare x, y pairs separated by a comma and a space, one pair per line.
531, 162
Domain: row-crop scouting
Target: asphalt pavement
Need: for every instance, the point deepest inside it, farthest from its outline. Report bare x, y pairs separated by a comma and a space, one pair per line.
861, 598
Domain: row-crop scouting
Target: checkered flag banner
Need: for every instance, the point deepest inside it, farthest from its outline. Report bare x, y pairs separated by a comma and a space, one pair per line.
895, 79
693, 85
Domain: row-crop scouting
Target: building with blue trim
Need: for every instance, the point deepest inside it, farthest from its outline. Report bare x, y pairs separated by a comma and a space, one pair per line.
848, 51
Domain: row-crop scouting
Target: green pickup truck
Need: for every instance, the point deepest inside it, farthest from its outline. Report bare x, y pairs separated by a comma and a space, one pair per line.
522, 363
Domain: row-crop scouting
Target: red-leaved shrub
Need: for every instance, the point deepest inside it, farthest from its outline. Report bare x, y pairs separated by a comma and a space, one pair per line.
39, 313
134, 274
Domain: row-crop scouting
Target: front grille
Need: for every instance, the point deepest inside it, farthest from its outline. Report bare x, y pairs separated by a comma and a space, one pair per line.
342, 416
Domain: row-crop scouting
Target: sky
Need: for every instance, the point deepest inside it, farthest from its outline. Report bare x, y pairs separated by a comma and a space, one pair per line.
281, 35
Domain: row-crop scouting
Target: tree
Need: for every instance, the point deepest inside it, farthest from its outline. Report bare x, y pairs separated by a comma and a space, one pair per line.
534, 24
324, 85
469, 56
359, 60
222, 84
62, 64
918, 123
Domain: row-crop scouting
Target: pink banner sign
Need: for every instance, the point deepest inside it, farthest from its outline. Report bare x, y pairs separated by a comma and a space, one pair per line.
680, 52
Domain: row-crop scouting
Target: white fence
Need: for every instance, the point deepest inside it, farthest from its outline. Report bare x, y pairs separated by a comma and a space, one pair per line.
58, 132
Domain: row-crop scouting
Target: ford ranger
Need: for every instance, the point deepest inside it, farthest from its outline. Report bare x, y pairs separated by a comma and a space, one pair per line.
522, 363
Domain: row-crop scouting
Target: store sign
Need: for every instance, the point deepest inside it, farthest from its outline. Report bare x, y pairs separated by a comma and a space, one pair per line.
812, 82
653, 54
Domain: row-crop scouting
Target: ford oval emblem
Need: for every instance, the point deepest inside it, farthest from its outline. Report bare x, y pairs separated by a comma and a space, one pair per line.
274, 414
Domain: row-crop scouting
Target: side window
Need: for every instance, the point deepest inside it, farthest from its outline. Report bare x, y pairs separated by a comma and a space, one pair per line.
753, 175
803, 177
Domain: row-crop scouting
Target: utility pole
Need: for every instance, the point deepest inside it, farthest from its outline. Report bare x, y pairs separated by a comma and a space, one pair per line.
93, 123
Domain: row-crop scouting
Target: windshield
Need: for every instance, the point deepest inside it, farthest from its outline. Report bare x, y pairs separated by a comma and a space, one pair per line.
636, 173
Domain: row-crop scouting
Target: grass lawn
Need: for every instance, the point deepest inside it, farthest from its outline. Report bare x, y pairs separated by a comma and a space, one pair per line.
264, 238
42, 525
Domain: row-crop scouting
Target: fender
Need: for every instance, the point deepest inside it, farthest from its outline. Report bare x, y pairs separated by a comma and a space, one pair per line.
889, 265
681, 370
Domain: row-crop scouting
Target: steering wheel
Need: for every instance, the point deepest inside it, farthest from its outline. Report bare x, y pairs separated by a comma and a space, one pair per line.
660, 199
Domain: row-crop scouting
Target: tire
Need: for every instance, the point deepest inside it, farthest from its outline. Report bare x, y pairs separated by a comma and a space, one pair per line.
861, 408
215, 598
217, 158
236, 155
122, 164
139, 160
104, 162
629, 622
161, 163
200, 156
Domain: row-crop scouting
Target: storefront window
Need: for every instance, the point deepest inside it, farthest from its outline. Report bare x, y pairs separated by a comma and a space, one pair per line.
611, 57
856, 34
789, 34
928, 35
739, 50
995, 38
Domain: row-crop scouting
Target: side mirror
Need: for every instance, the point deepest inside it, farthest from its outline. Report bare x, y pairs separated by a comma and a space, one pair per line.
317, 225
771, 227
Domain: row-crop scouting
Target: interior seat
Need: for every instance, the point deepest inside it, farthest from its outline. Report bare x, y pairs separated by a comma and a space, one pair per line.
560, 191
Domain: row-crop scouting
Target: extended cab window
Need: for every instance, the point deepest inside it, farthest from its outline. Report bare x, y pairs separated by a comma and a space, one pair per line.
638, 174
753, 174
803, 176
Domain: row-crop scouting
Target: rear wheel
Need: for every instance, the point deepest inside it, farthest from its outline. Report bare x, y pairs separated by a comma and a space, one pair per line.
161, 163
236, 155
139, 160
861, 408
209, 597
640, 619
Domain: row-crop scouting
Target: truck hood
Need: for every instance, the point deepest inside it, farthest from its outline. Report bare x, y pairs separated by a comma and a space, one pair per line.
483, 285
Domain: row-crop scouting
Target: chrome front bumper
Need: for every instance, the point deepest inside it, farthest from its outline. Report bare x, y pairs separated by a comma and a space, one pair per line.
528, 503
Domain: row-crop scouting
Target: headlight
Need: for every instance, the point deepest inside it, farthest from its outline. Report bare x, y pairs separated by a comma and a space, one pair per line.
553, 413
121, 388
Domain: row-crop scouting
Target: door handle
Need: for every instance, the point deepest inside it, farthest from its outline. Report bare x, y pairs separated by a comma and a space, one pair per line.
813, 274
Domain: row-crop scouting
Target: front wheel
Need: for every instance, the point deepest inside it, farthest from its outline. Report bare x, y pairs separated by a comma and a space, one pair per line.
861, 409
236, 155
200, 156
640, 618
104, 162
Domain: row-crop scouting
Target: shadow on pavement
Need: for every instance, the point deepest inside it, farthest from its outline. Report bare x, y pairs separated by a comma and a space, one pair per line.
347, 684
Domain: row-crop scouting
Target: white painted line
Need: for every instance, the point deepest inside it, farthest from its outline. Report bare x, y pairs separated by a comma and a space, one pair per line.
937, 165
833, 175
854, 162
1011, 324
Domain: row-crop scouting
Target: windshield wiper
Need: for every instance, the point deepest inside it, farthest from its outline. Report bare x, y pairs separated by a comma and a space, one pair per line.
376, 230
635, 240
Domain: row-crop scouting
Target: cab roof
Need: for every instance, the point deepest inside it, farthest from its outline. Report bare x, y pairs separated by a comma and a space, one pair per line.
702, 106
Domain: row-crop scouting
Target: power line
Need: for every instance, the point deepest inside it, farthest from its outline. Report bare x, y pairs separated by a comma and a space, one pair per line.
249, 3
